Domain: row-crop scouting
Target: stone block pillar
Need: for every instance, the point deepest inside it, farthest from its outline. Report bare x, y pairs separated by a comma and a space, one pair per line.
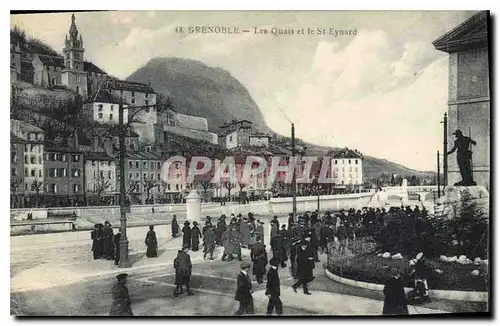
193, 207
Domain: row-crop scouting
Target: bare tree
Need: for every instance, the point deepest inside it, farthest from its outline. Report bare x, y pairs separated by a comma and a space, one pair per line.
149, 184
101, 185
37, 186
206, 184
228, 185
134, 186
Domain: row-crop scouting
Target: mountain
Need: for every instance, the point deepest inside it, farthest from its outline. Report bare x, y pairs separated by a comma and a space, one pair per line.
200, 90
212, 93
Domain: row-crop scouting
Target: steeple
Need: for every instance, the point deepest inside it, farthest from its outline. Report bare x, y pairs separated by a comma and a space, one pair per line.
73, 31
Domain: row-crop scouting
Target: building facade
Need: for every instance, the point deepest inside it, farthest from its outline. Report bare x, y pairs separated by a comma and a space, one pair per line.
347, 167
16, 169
143, 182
469, 93
15, 62
99, 176
104, 108
33, 155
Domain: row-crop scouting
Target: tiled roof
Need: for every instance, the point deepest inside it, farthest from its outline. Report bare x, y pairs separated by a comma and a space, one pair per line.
89, 66
50, 60
346, 153
25, 126
103, 96
143, 156
116, 84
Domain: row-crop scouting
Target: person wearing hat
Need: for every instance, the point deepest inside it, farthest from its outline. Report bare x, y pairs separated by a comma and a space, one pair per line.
273, 289
464, 158
395, 301
121, 298
209, 238
258, 255
245, 232
244, 291
186, 235
195, 237
96, 237
260, 231
221, 229
305, 266
274, 231
151, 243
175, 227
107, 238
183, 268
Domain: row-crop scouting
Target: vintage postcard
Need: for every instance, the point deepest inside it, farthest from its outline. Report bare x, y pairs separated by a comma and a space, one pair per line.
236, 163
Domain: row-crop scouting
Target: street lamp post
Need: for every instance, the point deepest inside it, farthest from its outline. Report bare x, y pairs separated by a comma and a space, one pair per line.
124, 261
294, 180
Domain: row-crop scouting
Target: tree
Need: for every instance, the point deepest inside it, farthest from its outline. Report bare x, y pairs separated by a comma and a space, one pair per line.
228, 185
37, 186
100, 186
149, 184
133, 187
206, 184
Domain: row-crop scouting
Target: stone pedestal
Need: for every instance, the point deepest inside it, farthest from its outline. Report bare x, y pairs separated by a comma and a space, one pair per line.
455, 193
193, 207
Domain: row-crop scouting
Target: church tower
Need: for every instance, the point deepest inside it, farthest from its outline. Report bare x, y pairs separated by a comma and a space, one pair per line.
73, 75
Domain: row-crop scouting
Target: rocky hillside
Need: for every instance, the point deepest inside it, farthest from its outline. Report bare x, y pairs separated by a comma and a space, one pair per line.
200, 90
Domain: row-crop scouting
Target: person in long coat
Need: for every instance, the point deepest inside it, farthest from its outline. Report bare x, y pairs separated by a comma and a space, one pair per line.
195, 237
260, 231
151, 243
274, 232
395, 301
108, 244
209, 238
175, 227
305, 266
244, 291
183, 268
221, 228
186, 235
245, 232
234, 243
116, 240
96, 237
259, 258
121, 305
273, 289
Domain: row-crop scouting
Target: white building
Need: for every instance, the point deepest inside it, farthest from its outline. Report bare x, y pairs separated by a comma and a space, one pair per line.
103, 108
33, 154
347, 167
100, 173
259, 140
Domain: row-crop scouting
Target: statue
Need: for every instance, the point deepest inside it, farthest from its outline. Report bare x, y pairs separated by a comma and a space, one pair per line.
464, 158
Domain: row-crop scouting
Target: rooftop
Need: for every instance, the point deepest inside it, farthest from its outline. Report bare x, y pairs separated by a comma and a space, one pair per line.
24, 126
104, 96
116, 84
346, 153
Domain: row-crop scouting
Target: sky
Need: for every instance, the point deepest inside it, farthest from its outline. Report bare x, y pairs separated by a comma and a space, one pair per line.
382, 91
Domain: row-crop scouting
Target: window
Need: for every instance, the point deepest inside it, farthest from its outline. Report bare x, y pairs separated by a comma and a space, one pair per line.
40, 173
25, 159
14, 172
77, 77
53, 188
230, 138
33, 160
39, 160
33, 148
63, 157
168, 186
25, 171
76, 187
133, 94
76, 158
147, 109
111, 108
109, 174
144, 176
110, 116
132, 101
159, 176
152, 165
33, 173
13, 156
130, 176
100, 115
102, 174
356, 162
130, 164
152, 176
145, 165
77, 87
177, 187
158, 165
26, 149
137, 165
75, 173
137, 177
32, 136
99, 107
146, 102
349, 161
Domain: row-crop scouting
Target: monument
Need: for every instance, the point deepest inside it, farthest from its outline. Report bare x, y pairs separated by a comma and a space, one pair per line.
193, 206
464, 158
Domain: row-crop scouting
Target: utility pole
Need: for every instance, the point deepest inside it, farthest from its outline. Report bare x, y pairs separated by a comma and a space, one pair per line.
438, 176
445, 150
124, 261
294, 180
